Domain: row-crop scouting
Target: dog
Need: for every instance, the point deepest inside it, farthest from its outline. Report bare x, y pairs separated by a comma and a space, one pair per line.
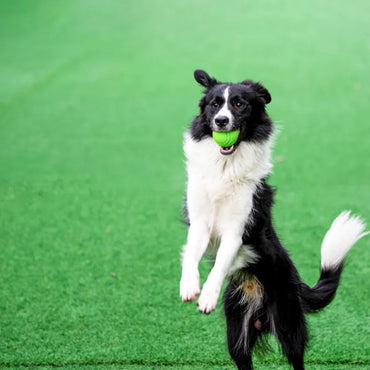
228, 209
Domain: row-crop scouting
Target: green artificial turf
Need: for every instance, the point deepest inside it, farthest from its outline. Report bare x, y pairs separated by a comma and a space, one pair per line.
94, 97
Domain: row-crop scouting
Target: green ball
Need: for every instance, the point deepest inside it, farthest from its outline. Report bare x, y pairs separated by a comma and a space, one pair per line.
225, 139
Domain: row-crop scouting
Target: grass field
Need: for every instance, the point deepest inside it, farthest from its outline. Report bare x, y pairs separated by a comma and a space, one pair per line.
94, 97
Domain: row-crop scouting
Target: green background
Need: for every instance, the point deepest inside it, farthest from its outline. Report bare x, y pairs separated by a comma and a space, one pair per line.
94, 98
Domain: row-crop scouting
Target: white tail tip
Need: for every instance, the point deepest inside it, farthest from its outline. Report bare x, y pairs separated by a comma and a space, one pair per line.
344, 232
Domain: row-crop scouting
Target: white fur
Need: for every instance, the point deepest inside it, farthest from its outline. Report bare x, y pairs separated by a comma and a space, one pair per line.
344, 232
219, 197
225, 111
254, 304
245, 256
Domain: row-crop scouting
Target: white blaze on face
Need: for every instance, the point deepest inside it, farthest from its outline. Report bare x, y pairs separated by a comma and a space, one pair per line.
224, 111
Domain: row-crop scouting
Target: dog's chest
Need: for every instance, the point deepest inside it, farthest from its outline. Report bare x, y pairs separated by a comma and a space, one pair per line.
230, 210
221, 188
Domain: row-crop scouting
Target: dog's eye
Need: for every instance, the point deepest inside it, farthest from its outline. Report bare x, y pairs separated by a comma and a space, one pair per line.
215, 104
238, 103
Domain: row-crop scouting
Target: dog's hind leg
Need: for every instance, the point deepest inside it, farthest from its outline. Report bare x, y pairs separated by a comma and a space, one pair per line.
289, 326
242, 329
293, 348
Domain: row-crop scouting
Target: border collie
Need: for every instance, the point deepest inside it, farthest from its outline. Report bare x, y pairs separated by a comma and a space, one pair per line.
228, 209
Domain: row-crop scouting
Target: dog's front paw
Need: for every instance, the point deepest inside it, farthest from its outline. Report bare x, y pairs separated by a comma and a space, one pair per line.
208, 299
189, 287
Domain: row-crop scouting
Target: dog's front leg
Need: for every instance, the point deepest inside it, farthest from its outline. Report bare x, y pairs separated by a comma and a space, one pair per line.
230, 244
197, 243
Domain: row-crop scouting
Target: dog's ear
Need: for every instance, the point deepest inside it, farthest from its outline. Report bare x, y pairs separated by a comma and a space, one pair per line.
204, 79
262, 93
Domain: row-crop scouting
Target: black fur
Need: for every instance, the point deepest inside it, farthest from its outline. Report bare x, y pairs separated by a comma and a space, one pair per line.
282, 312
286, 298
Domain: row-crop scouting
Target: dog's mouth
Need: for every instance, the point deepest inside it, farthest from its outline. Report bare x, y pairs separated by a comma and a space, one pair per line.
229, 150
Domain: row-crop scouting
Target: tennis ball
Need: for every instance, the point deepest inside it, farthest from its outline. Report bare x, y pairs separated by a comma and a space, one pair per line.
225, 139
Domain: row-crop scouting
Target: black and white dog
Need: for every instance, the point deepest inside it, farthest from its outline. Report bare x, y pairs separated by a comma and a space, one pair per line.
228, 209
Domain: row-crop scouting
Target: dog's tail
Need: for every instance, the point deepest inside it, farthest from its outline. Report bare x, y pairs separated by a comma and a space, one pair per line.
344, 232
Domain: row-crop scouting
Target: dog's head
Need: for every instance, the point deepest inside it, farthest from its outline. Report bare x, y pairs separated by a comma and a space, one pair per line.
230, 107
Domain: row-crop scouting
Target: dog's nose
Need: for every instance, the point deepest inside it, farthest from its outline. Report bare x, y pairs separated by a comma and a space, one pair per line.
221, 121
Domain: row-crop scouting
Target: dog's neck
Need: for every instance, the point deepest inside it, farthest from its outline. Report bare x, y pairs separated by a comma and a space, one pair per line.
250, 162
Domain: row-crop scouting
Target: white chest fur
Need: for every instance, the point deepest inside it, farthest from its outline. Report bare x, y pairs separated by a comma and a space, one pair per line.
220, 193
220, 188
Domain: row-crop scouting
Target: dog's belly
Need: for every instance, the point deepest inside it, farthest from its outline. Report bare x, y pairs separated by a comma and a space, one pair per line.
245, 256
